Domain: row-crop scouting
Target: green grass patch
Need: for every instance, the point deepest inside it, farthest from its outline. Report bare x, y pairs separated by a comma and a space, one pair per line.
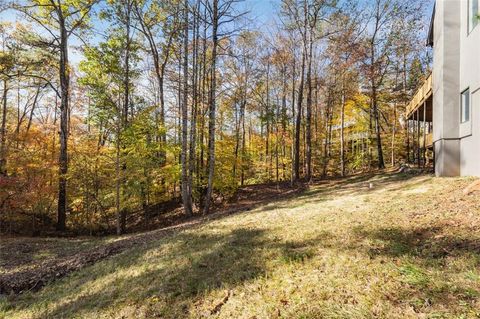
414, 275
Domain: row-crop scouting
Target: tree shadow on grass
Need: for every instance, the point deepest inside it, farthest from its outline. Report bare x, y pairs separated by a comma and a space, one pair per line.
200, 263
423, 256
426, 243
196, 264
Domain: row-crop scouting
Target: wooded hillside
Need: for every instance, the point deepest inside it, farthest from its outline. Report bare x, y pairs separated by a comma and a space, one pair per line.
111, 109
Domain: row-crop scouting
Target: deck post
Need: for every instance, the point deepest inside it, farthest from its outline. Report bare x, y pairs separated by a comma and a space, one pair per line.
418, 137
424, 133
406, 136
411, 135
414, 138
408, 140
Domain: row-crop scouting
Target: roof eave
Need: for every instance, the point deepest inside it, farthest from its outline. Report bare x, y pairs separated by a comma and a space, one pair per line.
430, 31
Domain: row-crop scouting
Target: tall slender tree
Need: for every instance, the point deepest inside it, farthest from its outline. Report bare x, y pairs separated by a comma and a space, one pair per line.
213, 9
60, 20
186, 181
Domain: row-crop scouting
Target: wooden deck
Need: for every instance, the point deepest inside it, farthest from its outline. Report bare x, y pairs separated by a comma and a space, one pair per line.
423, 93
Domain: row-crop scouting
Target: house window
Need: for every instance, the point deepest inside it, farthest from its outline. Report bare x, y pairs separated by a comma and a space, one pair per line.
473, 14
465, 106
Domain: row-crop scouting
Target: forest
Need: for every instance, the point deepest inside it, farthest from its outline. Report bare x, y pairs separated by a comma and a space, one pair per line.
113, 111
256, 159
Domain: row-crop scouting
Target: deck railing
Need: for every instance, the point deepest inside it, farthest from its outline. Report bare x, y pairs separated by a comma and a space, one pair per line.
428, 140
423, 93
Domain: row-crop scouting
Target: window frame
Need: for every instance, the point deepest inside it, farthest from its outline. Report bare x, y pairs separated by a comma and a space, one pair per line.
470, 17
465, 93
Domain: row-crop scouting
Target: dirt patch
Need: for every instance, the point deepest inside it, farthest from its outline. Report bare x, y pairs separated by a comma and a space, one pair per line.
22, 253
36, 277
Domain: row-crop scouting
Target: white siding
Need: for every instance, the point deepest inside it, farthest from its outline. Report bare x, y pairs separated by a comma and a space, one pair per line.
446, 100
470, 78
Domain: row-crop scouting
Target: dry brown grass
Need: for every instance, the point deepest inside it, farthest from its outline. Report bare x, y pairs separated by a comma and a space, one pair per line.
407, 248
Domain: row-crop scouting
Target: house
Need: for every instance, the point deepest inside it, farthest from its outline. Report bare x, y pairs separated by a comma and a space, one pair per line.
444, 115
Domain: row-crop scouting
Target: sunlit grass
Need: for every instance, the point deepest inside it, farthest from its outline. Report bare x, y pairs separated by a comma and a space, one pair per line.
403, 247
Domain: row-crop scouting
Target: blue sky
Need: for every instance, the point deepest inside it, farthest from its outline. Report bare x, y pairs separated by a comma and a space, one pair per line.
262, 13
261, 10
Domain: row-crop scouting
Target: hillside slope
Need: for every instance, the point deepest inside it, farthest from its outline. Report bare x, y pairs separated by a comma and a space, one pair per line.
387, 246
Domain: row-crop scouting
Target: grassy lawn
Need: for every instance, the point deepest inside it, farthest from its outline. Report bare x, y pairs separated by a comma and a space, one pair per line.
408, 247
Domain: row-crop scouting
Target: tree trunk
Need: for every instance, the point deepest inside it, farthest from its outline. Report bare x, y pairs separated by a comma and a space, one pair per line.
394, 131
309, 112
292, 174
267, 127
300, 98
34, 104
298, 122
159, 67
284, 119
64, 110
201, 160
118, 181
121, 226
381, 162
3, 131
186, 197
211, 120
242, 122
194, 112
237, 140
342, 130
328, 134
